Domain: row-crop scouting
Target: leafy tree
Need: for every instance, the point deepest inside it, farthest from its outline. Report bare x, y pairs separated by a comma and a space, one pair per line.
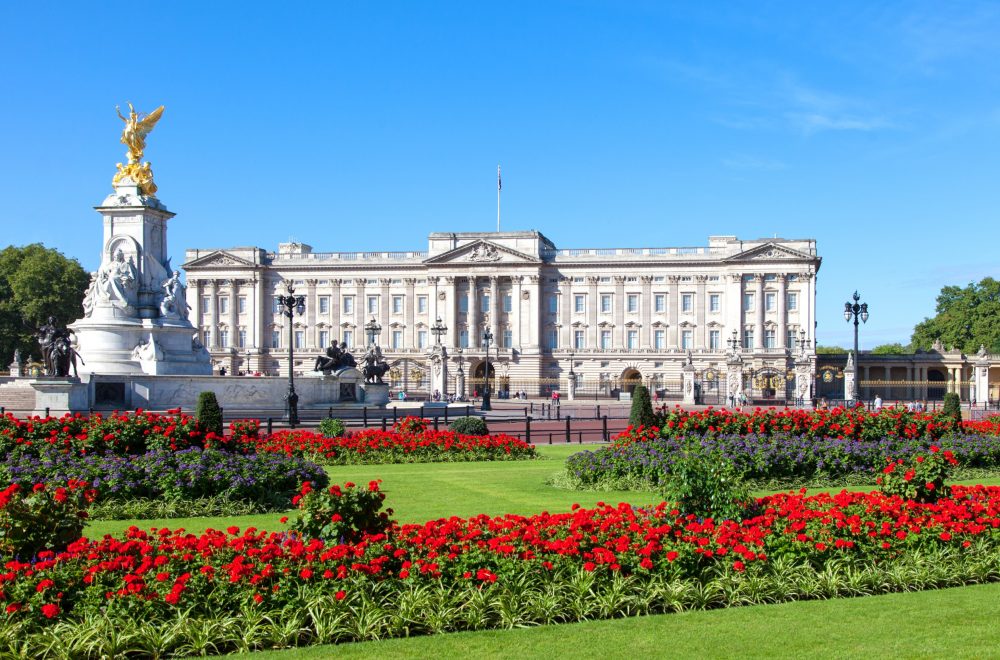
966, 317
830, 350
952, 407
36, 282
891, 349
208, 413
642, 408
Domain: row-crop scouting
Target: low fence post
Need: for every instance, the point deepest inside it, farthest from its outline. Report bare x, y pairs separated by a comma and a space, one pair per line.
568, 431
364, 416
329, 413
383, 423
604, 428
446, 414
435, 422
598, 410
393, 415
527, 429
270, 426
46, 411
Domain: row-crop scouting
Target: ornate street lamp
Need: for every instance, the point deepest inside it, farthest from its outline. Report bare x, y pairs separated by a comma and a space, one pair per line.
856, 311
438, 330
289, 306
487, 340
373, 330
734, 343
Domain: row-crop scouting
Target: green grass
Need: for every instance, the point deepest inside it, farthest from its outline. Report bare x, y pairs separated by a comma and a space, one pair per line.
424, 491
947, 623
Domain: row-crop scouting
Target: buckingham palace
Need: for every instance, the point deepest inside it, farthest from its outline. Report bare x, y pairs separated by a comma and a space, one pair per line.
606, 318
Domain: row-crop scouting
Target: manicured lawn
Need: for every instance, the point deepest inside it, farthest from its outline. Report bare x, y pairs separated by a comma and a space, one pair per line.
948, 623
425, 491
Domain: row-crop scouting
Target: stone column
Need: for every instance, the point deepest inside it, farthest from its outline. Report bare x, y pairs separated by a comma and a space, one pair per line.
312, 308
593, 304
495, 308
734, 306
850, 374
195, 290
619, 310
565, 312
384, 302
535, 311
646, 312
473, 316
410, 336
673, 312
214, 315
758, 298
335, 311
782, 313
263, 314
981, 377
700, 340
516, 302
451, 318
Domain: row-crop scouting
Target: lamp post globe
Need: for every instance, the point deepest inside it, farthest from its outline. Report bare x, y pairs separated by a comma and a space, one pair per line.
487, 340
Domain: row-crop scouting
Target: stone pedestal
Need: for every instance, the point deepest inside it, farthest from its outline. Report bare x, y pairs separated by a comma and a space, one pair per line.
850, 378
376, 394
438, 359
804, 381
135, 314
460, 383
571, 387
687, 381
980, 391
734, 380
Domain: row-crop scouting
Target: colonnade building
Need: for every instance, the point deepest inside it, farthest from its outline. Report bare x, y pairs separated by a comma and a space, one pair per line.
612, 316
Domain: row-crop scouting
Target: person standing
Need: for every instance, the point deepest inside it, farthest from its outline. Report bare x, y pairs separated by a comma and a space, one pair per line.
878, 402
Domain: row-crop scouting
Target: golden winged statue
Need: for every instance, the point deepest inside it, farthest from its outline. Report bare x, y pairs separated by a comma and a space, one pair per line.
137, 127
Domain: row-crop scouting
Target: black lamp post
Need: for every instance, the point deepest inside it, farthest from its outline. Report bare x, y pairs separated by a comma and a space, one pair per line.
289, 306
373, 329
734, 343
487, 340
856, 311
438, 330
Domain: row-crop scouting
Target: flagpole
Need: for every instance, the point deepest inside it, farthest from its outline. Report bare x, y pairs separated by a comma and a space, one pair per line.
499, 186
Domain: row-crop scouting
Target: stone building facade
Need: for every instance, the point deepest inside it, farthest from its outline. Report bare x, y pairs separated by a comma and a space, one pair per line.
611, 316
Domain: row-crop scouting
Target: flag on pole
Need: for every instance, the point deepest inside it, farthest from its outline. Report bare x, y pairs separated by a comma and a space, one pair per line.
499, 185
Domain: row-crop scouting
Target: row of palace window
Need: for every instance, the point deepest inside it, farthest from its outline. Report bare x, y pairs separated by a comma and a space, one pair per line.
506, 339
686, 300
660, 339
322, 304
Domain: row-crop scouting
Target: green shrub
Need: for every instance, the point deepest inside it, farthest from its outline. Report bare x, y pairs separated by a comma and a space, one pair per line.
708, 486
952, 407
470, 426
332, 428
340, 513
920, 478
208, 413
45, 517
642, 408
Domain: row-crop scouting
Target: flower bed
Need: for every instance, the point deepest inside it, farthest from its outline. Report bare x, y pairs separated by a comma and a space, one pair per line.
782, 459
254, 589
844, 423
121, 433
375, 446
267, 480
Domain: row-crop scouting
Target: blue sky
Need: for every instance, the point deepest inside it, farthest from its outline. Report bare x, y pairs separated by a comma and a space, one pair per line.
873, 127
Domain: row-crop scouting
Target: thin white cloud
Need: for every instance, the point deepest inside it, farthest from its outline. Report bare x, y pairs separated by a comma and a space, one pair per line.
813, 122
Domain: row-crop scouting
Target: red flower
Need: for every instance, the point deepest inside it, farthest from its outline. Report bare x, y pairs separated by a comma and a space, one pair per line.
340, 595
50, 610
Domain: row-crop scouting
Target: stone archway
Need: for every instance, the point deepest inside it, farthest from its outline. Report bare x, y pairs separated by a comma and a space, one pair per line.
479, 378
630, 378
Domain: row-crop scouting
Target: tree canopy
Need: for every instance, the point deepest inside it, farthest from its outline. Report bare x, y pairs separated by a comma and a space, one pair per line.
891, 349
830, 350
36, 282
966, 317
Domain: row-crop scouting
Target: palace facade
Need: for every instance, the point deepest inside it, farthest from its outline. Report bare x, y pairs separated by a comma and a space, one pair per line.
612, 316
